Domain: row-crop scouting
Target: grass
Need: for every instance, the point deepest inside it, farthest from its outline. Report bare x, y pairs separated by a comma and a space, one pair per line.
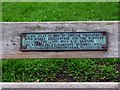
30, 70
61, 70
59, 11
90, 70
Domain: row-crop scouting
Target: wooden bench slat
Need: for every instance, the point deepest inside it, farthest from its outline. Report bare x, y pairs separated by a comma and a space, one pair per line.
11, 38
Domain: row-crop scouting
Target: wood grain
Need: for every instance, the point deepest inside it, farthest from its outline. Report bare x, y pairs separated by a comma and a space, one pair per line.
0, 41
11, 38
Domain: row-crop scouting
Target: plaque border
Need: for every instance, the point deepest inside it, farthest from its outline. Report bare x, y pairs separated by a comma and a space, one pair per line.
55, 50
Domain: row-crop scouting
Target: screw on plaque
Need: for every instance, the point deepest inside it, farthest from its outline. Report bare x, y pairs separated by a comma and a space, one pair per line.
104, 46
24, 47
24, 35
104, 33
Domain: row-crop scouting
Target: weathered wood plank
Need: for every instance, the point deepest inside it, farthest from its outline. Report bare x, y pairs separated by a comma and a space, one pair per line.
53, 85
0, 41
11, 39
119, 41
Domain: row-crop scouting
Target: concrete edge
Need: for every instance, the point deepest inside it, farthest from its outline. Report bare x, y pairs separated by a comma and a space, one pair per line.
62, 85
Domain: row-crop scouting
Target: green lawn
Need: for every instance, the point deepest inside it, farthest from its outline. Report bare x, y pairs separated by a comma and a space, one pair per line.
61, 70
59, 11
30, 70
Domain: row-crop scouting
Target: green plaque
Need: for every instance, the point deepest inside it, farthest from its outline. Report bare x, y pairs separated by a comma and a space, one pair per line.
61, 41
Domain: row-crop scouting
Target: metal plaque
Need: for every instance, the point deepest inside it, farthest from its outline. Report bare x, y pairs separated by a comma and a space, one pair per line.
64, 41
